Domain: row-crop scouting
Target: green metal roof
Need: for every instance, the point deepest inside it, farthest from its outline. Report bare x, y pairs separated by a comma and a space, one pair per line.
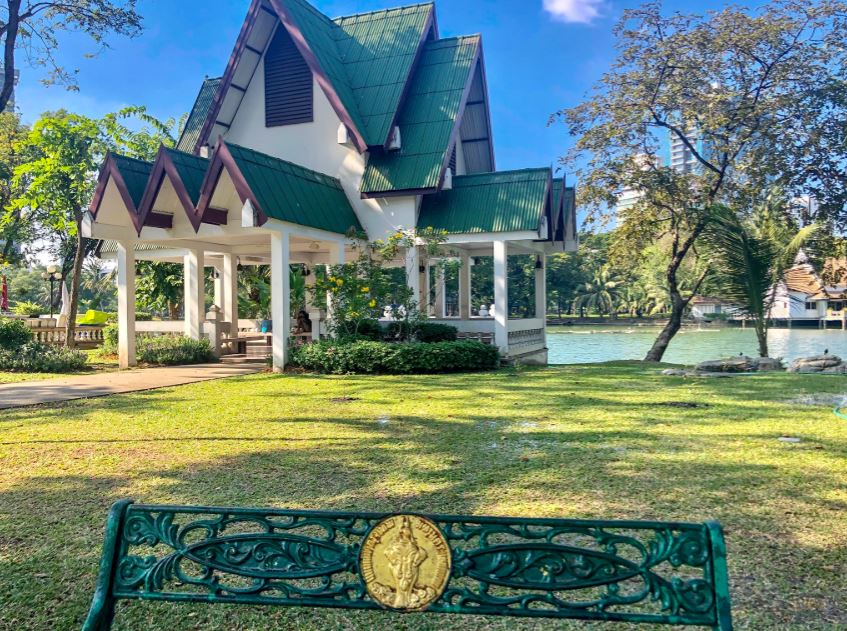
378, 50
292, 193
107, 246
320, 33
192, 171
135, 174
505, 201
427, 118
195, 121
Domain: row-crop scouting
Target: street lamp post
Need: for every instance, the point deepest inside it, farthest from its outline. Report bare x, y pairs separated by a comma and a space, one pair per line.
53, 275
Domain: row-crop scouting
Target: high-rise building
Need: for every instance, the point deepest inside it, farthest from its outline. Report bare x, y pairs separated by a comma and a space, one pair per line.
680, 156
628, 197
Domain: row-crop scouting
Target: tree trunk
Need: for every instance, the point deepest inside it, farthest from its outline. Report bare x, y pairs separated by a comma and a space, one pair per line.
14, 8
79, 256
660, 345
762, 336
173, 310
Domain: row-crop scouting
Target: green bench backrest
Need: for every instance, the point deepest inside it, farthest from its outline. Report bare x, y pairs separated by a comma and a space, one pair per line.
657, 572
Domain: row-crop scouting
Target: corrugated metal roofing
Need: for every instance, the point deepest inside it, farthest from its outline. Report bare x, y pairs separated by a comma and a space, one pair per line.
195, 121
427, 118
292, 193
192, 171
135, 174
378, 50
320, 33
107, 246
505, 201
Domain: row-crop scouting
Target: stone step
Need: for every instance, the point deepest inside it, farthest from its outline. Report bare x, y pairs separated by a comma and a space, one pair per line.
243, 359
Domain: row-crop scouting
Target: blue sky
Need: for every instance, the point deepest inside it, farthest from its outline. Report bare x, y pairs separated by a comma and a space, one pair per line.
541, 56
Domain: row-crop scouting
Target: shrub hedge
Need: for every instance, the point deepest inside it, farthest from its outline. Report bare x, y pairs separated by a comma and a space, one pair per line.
422, 332
13, 334
338, 357
171, 350
38, 357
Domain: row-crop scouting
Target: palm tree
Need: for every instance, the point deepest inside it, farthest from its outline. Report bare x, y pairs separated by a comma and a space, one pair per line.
601, 293
750, 257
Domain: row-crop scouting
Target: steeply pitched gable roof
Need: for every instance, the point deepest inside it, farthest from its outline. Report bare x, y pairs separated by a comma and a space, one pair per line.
196, 119
191, 169
362, 62
378, 50
428, 118
295, 194
506, 201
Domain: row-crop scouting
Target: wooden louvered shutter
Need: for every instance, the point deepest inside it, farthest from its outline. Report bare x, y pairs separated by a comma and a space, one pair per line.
289, 96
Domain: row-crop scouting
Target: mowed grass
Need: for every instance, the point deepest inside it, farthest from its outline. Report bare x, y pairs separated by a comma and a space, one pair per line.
579, 441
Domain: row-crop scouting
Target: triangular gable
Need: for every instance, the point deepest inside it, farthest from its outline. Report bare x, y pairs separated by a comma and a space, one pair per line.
379, 47
186, 173
429, 121
130, 177
278, 189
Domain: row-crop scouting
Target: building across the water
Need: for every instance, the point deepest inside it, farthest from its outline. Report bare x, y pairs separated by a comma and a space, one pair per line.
808, 298
371, 121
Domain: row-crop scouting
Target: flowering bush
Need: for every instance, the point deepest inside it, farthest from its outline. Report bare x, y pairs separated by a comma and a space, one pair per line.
361, 289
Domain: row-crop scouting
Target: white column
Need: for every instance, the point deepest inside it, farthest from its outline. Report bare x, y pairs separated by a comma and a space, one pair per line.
126, 304
195, 294
218, 290
440, 290
280, 297
229, 283
413, 274
465, 287
429, 307
501, 296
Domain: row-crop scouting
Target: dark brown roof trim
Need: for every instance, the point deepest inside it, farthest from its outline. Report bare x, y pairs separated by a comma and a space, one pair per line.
312, 61
110, 169
217, 102
222, 159
403, 192
159, 220
430, 26
457, 125
164, 167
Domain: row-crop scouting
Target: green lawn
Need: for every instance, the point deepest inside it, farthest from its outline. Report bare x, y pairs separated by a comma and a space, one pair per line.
577, 441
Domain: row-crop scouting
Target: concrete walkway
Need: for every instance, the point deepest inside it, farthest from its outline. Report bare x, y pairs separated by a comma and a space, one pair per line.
23, 393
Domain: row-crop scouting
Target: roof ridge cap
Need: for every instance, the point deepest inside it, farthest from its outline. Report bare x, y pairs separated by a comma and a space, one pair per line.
186, 153
386, 10
117, 154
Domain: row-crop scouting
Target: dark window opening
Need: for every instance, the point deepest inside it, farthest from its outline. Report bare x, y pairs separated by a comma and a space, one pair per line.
289, 97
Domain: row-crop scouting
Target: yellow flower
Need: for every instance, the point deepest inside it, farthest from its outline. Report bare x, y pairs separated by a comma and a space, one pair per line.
399, 235
339, 282
365, 290
372, 304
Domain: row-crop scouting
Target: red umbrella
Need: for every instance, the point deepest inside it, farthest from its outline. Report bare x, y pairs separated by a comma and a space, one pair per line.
4, 295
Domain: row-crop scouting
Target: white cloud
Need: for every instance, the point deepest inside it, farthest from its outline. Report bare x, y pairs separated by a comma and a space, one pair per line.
581, 11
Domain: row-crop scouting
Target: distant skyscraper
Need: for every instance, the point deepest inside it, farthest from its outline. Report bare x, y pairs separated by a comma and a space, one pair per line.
680, 157
629, 196
10, 106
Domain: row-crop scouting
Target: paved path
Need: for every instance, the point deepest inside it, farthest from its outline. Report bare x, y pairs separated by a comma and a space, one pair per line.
23, 393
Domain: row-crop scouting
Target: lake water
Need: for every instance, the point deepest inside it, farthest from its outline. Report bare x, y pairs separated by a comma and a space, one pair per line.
589, 344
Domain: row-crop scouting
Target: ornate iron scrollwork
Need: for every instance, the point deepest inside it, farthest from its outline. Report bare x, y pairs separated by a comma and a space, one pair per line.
633, 571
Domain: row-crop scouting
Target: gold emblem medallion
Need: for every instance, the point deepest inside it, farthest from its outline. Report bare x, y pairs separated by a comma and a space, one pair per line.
405, 562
